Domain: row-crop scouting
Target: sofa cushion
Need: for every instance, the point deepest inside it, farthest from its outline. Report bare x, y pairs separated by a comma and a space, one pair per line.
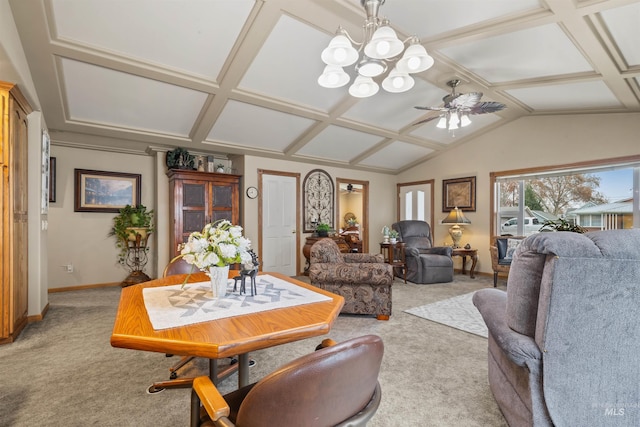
512, 245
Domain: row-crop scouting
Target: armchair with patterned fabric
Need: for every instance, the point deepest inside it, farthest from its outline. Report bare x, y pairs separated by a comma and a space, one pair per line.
364, 280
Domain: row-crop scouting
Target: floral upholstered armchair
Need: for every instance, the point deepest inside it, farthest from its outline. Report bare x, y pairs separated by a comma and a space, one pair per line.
363, 280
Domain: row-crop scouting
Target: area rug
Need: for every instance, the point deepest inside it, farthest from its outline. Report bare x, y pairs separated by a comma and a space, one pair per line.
173, 306
457, 312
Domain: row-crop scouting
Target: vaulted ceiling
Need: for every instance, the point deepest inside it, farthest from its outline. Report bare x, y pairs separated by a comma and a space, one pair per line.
240, 76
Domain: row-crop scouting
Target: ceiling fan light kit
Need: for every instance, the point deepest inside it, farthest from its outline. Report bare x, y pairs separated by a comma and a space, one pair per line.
380, 48
458, 107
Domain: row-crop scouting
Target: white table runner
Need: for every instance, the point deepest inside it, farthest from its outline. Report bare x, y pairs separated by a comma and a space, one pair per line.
172, 306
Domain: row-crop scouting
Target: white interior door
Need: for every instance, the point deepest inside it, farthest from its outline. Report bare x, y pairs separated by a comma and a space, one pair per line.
279, 224
416, 202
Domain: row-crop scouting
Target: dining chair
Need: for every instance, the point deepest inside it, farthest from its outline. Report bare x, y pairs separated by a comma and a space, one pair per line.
335, 385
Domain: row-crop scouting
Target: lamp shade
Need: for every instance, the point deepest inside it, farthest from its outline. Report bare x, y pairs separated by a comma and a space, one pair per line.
415, 59
384, 44
333, 76
340, 52
397, 82
363, 87
456, 217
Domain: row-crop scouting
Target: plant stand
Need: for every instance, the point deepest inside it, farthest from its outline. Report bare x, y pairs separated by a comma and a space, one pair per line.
136, 260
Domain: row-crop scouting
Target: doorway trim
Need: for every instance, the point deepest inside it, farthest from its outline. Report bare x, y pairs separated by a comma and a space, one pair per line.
365, 208
429, 182
262, 172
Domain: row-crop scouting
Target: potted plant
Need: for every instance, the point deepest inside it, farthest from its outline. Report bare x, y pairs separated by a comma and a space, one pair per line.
393, 236
562, 224
131, 223
220, 168
180, 159
323, 229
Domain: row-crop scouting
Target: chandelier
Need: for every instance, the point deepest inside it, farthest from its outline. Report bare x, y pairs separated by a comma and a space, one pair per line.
380, 48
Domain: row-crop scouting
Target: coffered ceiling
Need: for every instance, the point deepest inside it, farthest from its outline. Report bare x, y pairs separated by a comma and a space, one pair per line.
240, 76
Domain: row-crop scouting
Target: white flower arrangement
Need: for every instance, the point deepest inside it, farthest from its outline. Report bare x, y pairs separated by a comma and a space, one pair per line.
218, 244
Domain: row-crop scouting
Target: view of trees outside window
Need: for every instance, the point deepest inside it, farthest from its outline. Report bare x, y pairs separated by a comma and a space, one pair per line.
596, 201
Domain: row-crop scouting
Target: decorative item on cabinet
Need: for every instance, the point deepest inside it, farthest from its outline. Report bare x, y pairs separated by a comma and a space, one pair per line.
180, 159
197, 198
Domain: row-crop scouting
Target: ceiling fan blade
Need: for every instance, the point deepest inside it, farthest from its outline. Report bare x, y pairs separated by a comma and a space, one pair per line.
425, 120
466, 100
431, 108
487, 107
448, 99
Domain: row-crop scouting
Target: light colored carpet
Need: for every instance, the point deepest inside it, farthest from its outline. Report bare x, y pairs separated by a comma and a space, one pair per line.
457, 312
63, 371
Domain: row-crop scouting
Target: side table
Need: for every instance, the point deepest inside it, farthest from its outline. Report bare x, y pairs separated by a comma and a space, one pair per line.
394, 254
464, 253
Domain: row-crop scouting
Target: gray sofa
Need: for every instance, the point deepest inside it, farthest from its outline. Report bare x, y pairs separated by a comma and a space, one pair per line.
425, 263
564, 339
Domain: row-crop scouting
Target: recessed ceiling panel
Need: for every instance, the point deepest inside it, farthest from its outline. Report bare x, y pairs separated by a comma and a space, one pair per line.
427, 19
194, 36
252, 126
566, 97
445, 136
395, 110
288, 66
339, 143
137, 103
525, 54
396, 155
624, 25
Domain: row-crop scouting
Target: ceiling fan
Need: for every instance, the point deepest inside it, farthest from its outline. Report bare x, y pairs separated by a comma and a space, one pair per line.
458, 106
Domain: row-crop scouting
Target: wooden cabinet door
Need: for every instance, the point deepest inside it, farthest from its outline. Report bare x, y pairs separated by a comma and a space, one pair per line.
192, 199
14, 255
197, 198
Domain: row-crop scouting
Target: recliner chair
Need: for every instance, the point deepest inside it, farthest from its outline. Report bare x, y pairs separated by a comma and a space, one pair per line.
425, 263
564, 337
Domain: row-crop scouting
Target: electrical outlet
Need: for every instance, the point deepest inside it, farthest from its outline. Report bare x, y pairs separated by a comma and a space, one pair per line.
69, 268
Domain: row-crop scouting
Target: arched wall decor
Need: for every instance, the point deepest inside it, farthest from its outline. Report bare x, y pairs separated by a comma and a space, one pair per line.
318, 200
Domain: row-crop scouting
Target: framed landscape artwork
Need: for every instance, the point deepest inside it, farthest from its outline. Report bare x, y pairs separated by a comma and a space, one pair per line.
101, 191
460, 193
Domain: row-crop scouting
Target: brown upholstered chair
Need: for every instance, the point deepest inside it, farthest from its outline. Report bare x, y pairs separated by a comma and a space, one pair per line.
336, 385
363, 280
501, 255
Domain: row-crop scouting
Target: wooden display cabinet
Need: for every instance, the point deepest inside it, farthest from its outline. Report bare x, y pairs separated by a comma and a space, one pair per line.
14, 289
197, 198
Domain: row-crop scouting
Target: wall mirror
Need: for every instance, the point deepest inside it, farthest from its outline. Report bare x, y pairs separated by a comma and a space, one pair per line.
352, 210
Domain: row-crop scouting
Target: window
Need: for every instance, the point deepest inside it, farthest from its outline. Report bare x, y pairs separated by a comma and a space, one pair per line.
596, 196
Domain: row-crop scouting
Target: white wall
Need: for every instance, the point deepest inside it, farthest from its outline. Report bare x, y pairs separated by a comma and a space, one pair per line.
529, 142
81, 238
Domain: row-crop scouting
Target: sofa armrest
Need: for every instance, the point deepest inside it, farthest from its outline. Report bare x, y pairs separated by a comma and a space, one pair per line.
363, 258
520, 349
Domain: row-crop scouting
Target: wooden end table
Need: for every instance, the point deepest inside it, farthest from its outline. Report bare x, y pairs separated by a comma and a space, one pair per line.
464, 253
394, 255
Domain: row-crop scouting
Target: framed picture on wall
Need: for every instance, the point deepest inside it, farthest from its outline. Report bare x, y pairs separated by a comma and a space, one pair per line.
52, 179
101, 191
46, 146
459, 193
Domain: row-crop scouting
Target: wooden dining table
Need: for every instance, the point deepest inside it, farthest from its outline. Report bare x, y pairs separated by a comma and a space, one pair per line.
227, 337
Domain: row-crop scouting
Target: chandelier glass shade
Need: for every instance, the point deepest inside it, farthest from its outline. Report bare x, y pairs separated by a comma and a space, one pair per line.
379, 50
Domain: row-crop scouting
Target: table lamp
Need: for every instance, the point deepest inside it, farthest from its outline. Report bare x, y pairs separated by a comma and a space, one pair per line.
457, 218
